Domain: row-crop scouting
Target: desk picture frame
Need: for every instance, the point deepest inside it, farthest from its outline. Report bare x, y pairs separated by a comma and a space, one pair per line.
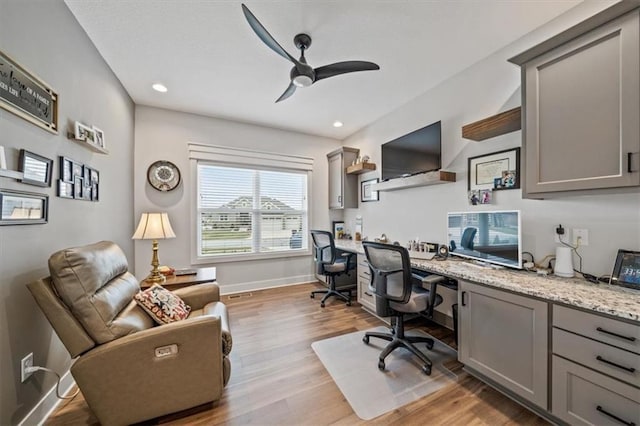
367, 193
338, 229
498, 171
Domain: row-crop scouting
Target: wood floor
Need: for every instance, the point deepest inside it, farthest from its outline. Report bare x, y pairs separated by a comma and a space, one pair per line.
276, 378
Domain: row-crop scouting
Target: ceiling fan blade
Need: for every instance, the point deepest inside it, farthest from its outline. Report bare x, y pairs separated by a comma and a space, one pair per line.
343, 68
290, 90
265, 36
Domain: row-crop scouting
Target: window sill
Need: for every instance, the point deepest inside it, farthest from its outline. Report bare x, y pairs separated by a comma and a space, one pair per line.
248, 257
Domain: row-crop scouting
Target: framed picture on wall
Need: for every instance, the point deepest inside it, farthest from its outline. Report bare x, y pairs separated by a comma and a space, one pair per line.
499, 170
23, 208
36, 169
366, 191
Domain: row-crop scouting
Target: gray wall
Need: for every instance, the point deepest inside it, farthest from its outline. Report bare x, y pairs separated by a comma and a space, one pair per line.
43, 36
486, 88
163, 135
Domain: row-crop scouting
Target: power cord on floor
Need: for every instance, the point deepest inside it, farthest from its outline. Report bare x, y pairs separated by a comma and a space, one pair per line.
30, 370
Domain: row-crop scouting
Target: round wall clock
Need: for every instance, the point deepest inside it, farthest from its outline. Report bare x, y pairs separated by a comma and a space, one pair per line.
163, 175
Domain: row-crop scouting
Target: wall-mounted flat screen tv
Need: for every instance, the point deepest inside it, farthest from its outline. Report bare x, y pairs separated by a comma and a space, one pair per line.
413, 153
492, 237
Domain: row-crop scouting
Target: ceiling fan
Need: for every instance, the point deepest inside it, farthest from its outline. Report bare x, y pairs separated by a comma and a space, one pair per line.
302, 74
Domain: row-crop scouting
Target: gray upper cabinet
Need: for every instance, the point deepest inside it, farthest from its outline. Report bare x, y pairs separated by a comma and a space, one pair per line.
503, 337
343, 188
581, 107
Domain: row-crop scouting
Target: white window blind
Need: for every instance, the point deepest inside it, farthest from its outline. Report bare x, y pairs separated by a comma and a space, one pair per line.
246, 210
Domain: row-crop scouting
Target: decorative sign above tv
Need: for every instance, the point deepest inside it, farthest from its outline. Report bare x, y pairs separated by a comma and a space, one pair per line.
25, 95
411, 154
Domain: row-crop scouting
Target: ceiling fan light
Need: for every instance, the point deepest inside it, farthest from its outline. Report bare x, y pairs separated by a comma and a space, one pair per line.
302, 81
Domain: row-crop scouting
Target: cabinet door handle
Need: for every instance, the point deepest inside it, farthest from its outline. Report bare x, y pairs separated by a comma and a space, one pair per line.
629, 369
630, 162
368, 294
339, 198
613, 416
611, 333
462, 298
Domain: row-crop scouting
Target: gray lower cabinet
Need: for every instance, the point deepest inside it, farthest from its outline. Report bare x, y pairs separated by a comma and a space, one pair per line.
504, 337
596, 369
365, 296
581, 103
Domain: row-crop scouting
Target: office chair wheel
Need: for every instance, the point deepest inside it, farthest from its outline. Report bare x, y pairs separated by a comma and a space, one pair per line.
349, 303
381, 365
430, 345
313, 296
322, 304
365, 339
426, 369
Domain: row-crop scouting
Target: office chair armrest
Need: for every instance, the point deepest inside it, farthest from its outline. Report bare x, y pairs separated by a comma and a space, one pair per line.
349, 255
114, 374
199, 295
430, 282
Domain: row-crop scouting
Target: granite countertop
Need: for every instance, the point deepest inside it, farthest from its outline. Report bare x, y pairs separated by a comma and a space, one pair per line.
613, 300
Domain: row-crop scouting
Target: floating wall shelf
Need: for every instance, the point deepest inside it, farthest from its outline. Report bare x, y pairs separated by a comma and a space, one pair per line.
423, 179
360, 168
496, 125
12, 174
89, 145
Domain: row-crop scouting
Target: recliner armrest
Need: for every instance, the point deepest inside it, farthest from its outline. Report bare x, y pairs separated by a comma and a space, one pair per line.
197, 296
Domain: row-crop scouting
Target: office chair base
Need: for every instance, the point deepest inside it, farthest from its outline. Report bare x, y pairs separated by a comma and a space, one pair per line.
330, 292
399, 340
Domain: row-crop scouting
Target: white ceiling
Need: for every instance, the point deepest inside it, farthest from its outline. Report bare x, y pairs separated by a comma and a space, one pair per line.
214, 64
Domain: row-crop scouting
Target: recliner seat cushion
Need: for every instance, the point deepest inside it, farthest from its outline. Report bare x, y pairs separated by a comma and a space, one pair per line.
94, 284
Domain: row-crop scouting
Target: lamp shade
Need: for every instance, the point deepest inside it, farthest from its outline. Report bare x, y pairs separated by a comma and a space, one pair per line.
154, 226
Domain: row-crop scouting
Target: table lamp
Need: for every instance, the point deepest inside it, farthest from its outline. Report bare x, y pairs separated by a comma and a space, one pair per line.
154, 226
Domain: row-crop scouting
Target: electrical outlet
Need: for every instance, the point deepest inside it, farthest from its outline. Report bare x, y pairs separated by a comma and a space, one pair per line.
583, 234
26, 362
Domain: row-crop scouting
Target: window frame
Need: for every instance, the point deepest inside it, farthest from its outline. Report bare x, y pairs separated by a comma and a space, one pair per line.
249, 159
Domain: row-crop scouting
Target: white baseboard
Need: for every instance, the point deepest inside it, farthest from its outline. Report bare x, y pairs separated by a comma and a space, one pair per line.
264, 284
48, 403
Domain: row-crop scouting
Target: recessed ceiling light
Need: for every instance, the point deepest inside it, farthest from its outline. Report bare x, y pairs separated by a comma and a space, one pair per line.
159, 88
337, 124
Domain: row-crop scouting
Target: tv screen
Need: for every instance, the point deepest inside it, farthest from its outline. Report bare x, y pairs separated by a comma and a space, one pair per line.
492, 237
416, 152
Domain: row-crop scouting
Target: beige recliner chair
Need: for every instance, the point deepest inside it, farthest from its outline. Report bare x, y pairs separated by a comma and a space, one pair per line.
127, 368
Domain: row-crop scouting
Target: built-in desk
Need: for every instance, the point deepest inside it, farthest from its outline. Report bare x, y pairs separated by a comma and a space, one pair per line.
566, 348
611, 300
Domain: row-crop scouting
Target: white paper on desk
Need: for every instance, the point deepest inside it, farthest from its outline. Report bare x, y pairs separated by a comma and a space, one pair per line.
3, 159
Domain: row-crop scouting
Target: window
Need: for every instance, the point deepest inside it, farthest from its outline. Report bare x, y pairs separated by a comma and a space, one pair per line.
245, 210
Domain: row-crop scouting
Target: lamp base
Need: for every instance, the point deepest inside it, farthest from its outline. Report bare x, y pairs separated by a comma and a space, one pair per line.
156, 276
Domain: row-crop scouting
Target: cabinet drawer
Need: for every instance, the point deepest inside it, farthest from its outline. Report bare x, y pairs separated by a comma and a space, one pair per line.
617, 333
599, 356
584, 397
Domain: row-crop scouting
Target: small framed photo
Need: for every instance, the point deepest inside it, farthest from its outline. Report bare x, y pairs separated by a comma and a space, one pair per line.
366, 191
66, 170
36, 169
338, 229
509, 179
23, 208
77, 187
84, 133
484, 170
86, 175
99, 137
95, 177
77, 170
479, 196
65, 189
94, 192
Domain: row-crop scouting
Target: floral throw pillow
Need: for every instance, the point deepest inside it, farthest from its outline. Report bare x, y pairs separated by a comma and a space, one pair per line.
163, 306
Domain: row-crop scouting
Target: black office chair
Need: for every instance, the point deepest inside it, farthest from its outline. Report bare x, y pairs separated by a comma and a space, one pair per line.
329, 264
466, 240
392, 283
